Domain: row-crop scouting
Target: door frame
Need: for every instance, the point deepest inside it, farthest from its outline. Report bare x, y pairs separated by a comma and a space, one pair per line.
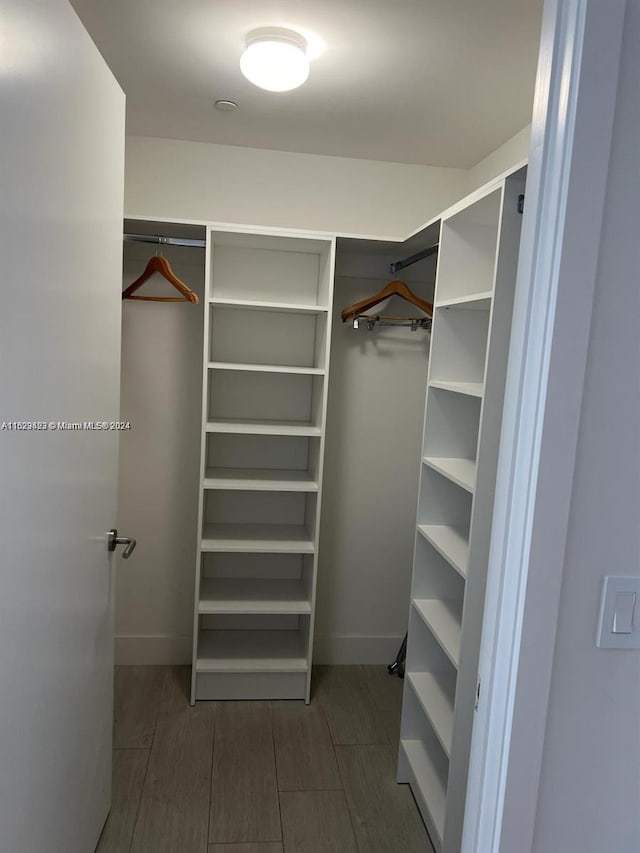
572, 127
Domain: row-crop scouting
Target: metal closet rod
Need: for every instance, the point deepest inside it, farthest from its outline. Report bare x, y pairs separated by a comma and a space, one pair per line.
164, 241
371, 321
413, 259
201, 244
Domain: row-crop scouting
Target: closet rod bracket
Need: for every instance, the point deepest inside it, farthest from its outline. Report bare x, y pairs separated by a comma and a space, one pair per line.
413, 259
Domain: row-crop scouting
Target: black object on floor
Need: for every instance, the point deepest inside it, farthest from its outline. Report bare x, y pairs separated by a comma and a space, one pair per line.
397, 667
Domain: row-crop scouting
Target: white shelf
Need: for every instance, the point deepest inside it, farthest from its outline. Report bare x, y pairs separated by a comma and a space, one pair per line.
287, 307
257, 539
470, 389
246, 426
266, 368
462, 472
251, 651
427, 784
481, 301
435, 694
253, 595
443, 619
259, 480
450, 543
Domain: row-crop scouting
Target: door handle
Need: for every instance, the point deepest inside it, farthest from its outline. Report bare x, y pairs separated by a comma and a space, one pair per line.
113, 540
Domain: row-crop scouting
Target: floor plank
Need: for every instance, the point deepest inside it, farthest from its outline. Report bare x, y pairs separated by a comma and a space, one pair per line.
257, 747
174, 809
390, 722
137, 692
385, 817
244, 789
316, 822
270, 847
129, 769
348, 706
305, 758
176, 690
385, 690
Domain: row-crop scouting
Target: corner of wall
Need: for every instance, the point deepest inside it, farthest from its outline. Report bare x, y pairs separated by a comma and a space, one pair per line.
509, 154
152, 650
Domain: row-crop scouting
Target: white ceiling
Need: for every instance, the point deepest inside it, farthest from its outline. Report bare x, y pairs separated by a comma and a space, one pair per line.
438, 82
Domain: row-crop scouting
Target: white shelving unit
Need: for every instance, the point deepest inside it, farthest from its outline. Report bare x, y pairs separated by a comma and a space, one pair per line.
479, 243
267, 330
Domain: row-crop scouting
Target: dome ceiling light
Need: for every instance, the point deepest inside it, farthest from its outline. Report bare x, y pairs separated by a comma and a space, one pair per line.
275, 59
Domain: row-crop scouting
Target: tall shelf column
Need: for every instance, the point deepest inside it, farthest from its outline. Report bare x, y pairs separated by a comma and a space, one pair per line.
477, 264
265, 371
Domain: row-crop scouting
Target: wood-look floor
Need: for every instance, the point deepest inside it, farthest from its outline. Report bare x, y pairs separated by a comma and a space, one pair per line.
259, 777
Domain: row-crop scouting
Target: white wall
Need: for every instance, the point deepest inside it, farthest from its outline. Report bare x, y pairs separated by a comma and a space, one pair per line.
365, 557
376, 393
374, 431
161, 387
168, 179
589, 798
509, 154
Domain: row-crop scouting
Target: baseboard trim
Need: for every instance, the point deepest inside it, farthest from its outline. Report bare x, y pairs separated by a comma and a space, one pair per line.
355, 649
169, 649
152, 649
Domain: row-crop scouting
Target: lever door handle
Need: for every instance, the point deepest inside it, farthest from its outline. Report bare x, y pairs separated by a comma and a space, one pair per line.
113, 540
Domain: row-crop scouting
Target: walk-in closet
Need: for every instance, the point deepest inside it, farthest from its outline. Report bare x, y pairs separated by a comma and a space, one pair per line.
313, 282
319, 426
300, 365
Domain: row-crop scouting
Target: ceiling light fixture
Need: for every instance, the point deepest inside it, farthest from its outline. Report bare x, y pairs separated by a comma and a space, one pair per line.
275, 59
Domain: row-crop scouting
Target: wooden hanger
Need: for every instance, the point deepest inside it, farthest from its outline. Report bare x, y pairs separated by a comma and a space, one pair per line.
158, 264
393, 288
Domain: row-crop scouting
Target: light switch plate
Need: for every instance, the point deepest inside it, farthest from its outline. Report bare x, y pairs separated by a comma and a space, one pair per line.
619, 623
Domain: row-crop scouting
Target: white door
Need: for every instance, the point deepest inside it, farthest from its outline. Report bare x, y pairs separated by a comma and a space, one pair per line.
61, 202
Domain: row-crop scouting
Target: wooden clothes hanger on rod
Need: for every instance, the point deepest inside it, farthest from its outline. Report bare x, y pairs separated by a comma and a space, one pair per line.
160, 265
393, 288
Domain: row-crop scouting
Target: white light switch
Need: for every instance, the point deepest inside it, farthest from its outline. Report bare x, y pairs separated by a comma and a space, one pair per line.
623, 612
619, 627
